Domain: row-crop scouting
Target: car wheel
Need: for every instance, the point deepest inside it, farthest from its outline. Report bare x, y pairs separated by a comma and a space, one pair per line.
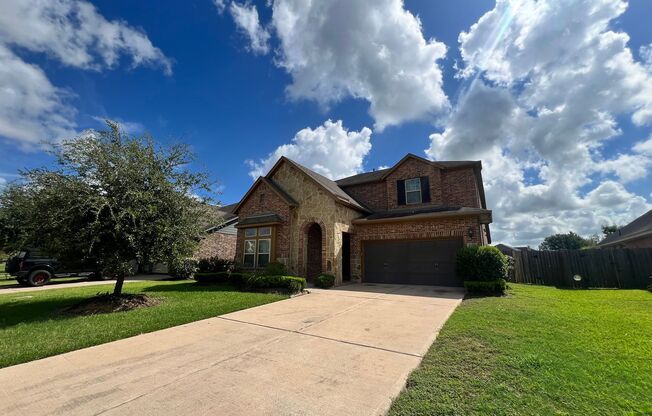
39, 277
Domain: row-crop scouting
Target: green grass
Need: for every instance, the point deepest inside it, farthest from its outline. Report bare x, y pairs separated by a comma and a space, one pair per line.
539, 351
30, 328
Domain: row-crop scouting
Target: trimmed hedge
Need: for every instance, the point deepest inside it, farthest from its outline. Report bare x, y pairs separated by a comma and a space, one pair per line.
248, 281
484, 263
325, 281
219, 277
275, 268
497, 286
214, 265
292, 284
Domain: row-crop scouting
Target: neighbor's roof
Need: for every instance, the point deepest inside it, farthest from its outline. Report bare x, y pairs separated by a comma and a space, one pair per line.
223, 213
638, 228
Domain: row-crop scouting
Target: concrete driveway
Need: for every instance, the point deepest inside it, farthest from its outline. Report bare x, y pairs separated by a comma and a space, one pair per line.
344, 351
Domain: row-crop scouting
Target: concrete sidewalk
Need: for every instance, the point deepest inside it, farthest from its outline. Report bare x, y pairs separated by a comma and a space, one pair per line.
345, 351
56, 284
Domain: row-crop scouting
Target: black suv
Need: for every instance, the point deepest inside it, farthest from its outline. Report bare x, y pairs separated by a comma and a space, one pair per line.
32, 267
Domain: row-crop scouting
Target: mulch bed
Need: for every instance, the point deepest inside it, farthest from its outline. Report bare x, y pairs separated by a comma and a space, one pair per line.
108, 303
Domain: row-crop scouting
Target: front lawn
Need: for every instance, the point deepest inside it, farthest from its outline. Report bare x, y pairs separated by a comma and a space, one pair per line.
31, 328
539, 351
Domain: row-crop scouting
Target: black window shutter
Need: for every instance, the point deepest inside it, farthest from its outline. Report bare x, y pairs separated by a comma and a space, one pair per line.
400, 192
425, 189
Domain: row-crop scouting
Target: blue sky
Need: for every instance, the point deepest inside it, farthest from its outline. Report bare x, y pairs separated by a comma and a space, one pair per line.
232, 102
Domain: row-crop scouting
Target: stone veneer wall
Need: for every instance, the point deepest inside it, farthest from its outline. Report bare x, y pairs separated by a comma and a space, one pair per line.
434, 228
217, 244
265, 200
315, 205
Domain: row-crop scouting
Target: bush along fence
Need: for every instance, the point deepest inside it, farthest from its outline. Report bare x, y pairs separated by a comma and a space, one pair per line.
626, 268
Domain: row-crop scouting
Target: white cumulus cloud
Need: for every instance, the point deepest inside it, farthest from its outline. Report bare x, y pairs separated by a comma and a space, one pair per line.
73, 33
545, 85
246, 18
372, 50
329, 149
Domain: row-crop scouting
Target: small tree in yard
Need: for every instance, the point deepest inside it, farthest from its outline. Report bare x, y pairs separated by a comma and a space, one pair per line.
570, 241
112, 198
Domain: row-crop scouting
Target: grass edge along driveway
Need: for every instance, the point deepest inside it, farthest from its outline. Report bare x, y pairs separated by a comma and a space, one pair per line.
538, 351
30, 327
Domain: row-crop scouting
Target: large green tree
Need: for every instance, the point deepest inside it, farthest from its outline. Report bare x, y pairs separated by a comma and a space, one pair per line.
111, 197
570, 241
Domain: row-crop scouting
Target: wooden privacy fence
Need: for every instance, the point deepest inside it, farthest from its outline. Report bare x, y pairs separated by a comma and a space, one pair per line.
627, 268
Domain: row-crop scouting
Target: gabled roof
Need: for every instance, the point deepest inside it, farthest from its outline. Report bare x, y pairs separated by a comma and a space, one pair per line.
381, 174
280, 192
323, 182
638, 228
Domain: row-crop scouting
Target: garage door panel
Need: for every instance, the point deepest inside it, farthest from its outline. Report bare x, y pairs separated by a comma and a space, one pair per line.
424, 262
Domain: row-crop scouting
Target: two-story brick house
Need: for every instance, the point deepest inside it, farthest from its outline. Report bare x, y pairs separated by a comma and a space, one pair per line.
403, 224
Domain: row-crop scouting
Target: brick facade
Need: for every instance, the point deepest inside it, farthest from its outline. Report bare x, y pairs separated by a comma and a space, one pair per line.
460, 188
409, 230
372, 195
413, 168
217, 244
315, 204
263, 200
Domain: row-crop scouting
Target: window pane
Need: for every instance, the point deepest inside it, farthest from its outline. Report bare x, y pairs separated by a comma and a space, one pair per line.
264, 246
413, 197
249, 260
250, 232
250, 247
264, 231
413, 185
263, 260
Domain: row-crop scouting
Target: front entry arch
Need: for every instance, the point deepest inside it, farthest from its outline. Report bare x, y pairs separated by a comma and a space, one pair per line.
314, 251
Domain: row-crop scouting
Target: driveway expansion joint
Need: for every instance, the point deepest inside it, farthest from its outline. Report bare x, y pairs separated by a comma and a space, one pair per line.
292, 331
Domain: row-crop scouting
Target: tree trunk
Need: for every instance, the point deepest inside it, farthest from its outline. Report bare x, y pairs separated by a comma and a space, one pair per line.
117, 290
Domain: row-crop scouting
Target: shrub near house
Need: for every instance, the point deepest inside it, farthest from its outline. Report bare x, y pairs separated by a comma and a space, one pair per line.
483, 269
273, 279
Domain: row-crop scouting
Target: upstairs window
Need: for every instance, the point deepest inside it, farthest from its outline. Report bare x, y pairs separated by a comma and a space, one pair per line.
413, 191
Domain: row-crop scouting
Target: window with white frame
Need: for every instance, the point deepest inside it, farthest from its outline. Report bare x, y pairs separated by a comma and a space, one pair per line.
257, 247
413, 191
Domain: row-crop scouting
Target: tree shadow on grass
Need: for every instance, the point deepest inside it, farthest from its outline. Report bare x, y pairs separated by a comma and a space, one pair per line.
191, 287
23, 309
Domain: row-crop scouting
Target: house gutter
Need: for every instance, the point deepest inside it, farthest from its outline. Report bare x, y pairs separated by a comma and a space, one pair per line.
472, 212
636, 236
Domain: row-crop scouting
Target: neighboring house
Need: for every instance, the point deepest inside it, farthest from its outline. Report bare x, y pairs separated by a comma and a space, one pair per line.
636, 234
398, 225
221, 239
506, 250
